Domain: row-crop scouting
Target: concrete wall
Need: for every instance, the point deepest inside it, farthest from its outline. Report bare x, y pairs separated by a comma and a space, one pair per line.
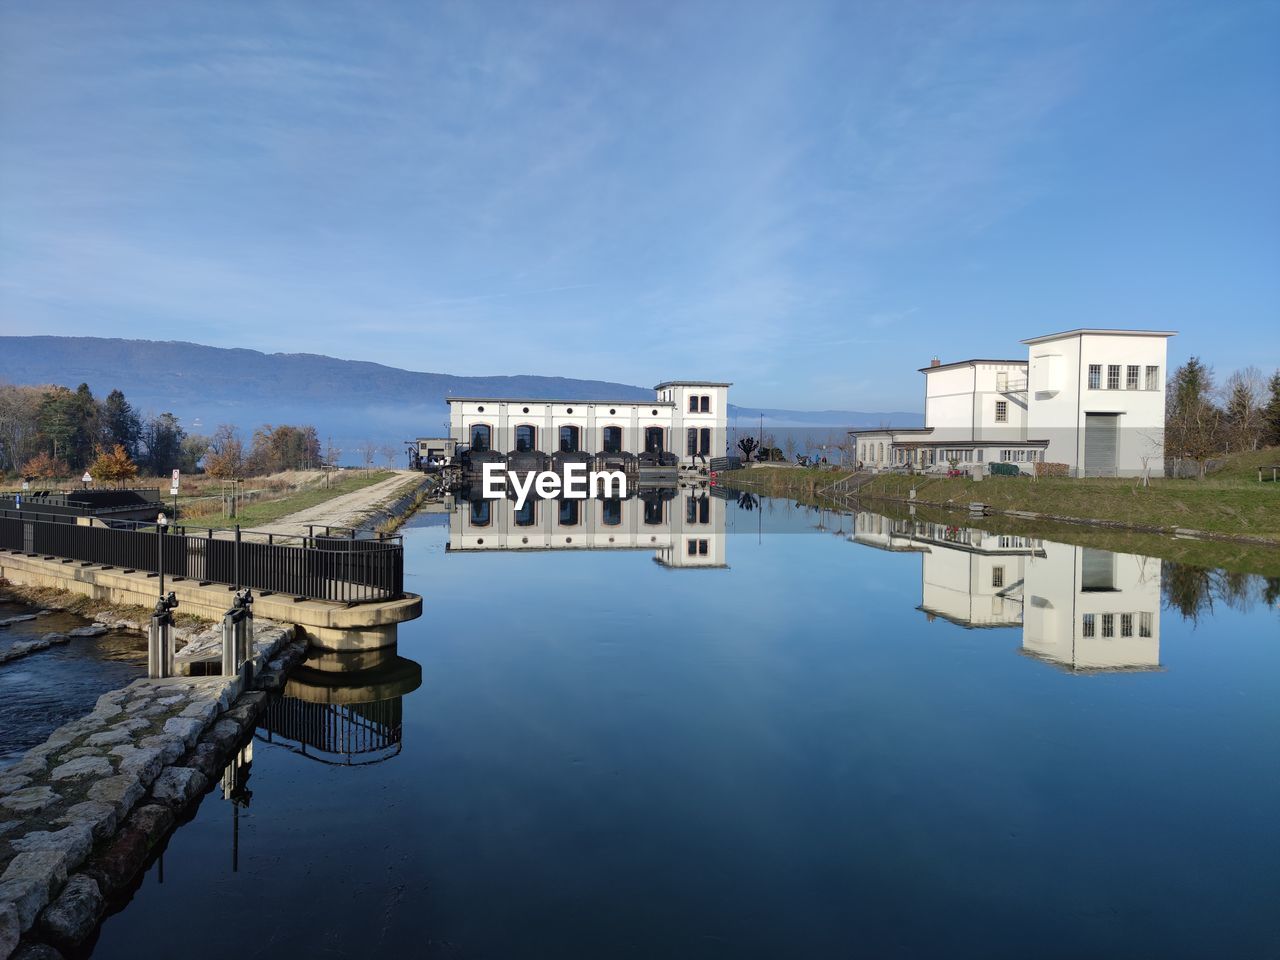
331, 626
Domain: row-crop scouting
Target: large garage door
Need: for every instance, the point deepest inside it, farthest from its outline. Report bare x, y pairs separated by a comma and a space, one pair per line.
1101, 434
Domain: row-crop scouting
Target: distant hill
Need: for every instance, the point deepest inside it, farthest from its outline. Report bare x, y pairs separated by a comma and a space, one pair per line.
348, 400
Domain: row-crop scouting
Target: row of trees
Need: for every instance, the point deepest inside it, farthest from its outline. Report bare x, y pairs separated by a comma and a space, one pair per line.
270, 450
1204, 420
54, 432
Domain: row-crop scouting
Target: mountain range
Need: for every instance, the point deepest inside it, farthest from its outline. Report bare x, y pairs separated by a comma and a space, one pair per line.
347, 400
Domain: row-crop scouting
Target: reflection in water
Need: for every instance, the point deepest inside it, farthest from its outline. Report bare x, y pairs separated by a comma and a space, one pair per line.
1079, 608
685, 527
343, 708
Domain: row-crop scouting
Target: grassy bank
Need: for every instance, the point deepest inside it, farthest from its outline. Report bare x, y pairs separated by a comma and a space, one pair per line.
1140, 520
271, 507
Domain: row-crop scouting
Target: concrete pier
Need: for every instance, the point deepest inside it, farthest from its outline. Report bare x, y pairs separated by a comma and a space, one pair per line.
329, 626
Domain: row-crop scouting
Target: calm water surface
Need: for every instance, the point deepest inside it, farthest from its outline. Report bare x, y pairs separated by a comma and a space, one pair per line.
816, 736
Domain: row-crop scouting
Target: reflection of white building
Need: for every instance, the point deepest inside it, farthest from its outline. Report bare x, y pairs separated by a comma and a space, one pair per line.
1081, 609
687, 418
1091, 399
685, 528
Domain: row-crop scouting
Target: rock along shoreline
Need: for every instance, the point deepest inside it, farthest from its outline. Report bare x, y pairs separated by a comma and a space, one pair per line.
82, 814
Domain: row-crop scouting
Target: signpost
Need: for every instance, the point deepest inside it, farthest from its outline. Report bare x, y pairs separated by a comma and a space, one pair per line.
86, 479
173, 492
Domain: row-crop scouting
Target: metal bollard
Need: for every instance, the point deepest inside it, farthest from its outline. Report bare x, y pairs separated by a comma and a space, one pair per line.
160, 639
237, 638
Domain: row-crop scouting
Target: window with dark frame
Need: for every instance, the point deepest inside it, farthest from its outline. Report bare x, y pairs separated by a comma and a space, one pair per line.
613, 439
569, 438
705, 404
1095, 376
526, 438
1113, 376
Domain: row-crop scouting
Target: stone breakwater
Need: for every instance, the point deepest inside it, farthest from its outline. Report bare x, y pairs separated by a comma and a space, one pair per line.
82, 813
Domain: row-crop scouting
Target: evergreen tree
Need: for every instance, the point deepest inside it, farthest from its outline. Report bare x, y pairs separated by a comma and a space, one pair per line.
1271, 413
121, 423
162, 437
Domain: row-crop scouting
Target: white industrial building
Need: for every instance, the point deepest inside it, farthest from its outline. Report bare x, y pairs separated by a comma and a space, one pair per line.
686, 418
1091, 399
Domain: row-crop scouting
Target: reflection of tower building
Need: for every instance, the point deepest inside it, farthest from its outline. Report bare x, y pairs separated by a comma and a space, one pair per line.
1082, 609
697, 538
1090, 610
344, 708
684, 527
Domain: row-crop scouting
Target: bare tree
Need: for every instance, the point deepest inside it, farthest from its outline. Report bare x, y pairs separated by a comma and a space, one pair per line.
1244, 398
388, 455
368, 450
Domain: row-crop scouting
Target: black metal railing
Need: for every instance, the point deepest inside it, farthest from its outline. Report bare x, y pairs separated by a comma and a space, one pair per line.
342, 570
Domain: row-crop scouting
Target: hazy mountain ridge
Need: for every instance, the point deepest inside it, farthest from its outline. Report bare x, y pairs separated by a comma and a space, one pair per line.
351, 400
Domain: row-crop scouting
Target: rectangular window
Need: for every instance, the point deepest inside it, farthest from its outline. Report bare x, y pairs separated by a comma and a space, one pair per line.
693, 404
1086, 625
1144, 624
1153, 378
706, 405
1113, 376
1108, 626
692, 548
1095, 376
1131, 377
702, 548
1126, 624
997, 576
979, 454
1002, 411
691, 445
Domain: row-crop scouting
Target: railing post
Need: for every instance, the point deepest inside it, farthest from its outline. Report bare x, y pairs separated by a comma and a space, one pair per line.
237, 563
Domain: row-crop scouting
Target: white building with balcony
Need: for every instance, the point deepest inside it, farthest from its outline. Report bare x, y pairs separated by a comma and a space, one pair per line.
1091, 399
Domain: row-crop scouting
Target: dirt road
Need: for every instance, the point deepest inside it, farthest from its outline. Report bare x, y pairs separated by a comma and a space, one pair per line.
347, 510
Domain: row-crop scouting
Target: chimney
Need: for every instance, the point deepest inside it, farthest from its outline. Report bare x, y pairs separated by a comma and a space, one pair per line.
935, 362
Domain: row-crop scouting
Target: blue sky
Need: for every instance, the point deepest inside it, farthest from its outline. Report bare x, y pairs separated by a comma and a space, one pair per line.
809, 199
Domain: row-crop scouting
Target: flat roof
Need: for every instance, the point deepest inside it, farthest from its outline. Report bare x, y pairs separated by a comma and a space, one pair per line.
1100, 331
619, 403
968, 363
889, 430
691, 383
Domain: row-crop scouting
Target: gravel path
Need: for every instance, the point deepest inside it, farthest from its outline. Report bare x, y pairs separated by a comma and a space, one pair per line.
347, 510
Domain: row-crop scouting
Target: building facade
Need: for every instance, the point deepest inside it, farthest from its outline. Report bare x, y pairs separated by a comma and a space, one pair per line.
1090, 399
686, 418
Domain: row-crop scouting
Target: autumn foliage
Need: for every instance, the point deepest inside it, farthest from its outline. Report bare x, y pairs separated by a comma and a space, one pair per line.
113, 466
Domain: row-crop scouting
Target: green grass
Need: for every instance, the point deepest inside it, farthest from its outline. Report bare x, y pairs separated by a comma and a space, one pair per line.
261, 512
1229, 502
